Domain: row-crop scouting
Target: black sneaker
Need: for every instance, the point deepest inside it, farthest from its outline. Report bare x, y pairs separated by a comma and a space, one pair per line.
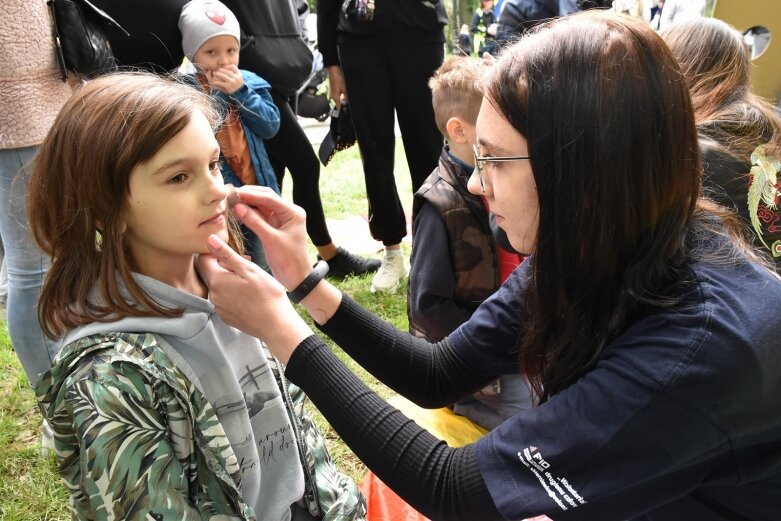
345, 263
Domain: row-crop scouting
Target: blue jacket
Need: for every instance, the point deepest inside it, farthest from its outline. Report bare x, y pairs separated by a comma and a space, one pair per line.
260, 120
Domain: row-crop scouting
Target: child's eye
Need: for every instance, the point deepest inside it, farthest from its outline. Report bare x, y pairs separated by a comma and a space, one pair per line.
177, 179
215, 165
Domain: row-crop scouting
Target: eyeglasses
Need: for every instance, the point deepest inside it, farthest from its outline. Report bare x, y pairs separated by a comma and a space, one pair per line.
480, 160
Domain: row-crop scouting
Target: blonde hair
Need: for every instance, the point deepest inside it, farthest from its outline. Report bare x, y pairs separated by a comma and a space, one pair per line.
455, 90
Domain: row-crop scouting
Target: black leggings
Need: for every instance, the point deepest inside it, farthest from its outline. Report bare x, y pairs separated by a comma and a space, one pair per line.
291, 149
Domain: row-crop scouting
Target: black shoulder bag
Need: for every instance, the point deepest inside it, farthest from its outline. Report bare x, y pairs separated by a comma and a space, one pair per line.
80, 38
274, 48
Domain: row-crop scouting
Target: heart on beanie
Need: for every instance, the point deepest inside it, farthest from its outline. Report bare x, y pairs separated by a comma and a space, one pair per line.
215, 16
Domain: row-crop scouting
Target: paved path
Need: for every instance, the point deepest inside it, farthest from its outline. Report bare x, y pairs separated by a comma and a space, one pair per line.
315, 130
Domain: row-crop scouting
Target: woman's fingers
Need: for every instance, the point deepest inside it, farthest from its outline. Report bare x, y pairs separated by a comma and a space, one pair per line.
263, 204
263, 198
223, 259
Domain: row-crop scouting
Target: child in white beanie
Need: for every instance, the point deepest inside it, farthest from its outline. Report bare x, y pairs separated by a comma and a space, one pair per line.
211, 42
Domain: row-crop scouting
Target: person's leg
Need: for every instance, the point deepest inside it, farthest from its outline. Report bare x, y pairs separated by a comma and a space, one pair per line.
368, 79
290, 149
411, 67
3, 282
27, 266
3, 275
253, 248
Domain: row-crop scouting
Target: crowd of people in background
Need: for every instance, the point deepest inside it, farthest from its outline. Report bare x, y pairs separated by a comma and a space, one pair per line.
493, 24
562, 269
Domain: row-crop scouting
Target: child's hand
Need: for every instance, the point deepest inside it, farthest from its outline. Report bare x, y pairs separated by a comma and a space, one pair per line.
227, 79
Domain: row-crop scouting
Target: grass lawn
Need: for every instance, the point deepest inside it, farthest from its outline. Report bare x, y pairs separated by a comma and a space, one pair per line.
30, 488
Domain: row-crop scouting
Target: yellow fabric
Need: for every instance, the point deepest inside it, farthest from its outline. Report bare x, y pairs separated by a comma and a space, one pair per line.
382, 503
443, 423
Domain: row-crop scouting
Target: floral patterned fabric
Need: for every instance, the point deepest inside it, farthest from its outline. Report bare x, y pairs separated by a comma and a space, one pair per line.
134, 438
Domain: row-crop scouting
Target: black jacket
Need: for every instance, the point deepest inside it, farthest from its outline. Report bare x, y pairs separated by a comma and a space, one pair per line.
520, 15
272, 45
397, 22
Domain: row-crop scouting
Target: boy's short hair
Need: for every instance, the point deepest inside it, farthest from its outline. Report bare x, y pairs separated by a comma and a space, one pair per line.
455, 90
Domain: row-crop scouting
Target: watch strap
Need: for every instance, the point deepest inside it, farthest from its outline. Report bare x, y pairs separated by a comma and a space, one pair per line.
309, 283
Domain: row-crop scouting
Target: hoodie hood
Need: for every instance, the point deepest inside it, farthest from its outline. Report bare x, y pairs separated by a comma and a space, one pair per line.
198, 314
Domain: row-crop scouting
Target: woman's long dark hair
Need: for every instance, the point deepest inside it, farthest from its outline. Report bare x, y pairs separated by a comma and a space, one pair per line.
614, 153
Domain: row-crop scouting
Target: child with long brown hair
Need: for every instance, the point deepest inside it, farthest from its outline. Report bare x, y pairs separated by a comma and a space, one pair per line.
159, 409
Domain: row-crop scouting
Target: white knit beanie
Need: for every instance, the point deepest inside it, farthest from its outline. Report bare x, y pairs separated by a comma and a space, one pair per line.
204, 19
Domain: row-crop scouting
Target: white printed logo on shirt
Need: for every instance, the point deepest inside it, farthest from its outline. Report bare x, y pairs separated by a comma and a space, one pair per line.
557, 488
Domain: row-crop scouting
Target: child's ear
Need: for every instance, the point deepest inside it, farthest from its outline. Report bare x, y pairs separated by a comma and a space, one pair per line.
455, 130
122, 227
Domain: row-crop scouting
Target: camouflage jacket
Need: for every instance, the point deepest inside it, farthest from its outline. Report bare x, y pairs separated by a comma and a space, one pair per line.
472, 249
135, 438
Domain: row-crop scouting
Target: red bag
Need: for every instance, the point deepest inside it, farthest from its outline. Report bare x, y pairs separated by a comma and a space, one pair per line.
382, 504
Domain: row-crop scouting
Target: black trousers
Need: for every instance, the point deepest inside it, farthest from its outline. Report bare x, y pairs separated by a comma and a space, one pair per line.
381, 80
291, 149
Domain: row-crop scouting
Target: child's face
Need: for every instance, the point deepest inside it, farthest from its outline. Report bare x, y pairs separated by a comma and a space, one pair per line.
217, 52
176, 199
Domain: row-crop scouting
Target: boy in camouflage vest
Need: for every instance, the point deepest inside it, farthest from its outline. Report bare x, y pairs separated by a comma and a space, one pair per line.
456, 262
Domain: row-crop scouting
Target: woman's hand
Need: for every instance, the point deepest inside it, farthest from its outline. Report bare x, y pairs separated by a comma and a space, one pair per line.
248, 298
281, 226
337, 87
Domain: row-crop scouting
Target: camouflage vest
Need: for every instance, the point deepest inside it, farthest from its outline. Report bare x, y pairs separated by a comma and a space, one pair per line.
473, 250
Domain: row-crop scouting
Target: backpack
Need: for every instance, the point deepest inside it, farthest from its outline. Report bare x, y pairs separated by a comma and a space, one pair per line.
80, 38
274, 48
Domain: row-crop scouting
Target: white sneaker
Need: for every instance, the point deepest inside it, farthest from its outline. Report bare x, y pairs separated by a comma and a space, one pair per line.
47, 440
390, 273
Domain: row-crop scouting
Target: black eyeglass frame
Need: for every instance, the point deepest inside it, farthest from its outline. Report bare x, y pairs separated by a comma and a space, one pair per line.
479, 160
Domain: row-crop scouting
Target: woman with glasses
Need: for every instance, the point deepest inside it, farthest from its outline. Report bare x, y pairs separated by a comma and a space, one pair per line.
645, 324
